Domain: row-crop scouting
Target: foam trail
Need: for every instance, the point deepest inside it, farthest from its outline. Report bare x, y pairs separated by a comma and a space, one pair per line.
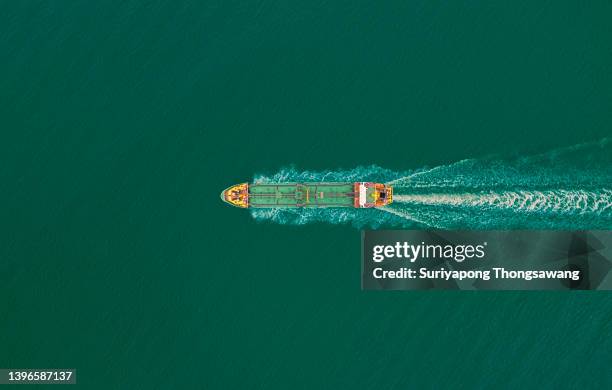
560, 201
414, 175
405, 215
579, 166
567, 188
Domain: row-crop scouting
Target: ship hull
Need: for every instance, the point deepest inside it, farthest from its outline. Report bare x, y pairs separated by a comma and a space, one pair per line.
308, 195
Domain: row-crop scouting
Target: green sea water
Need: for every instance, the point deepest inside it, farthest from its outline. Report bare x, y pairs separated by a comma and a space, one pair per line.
121, 121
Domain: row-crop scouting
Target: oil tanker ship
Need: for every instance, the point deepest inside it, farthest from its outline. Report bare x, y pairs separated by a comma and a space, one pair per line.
293, 195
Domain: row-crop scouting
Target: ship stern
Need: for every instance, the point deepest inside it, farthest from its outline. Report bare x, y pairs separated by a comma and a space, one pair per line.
384, 195
369, 194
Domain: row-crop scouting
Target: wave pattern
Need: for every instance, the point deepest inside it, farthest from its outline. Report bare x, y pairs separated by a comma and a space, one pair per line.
569, 188
560, 201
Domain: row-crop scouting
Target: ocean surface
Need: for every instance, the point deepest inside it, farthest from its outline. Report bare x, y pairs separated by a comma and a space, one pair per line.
559, 189
122, 121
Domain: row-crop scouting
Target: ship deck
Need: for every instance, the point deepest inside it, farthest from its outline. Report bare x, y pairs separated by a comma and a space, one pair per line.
301, 195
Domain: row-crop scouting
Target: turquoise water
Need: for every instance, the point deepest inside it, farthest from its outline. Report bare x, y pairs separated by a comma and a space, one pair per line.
122, 121
568, 188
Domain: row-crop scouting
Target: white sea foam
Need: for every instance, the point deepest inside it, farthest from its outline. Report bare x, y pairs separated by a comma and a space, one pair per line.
557, 201
567, 188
